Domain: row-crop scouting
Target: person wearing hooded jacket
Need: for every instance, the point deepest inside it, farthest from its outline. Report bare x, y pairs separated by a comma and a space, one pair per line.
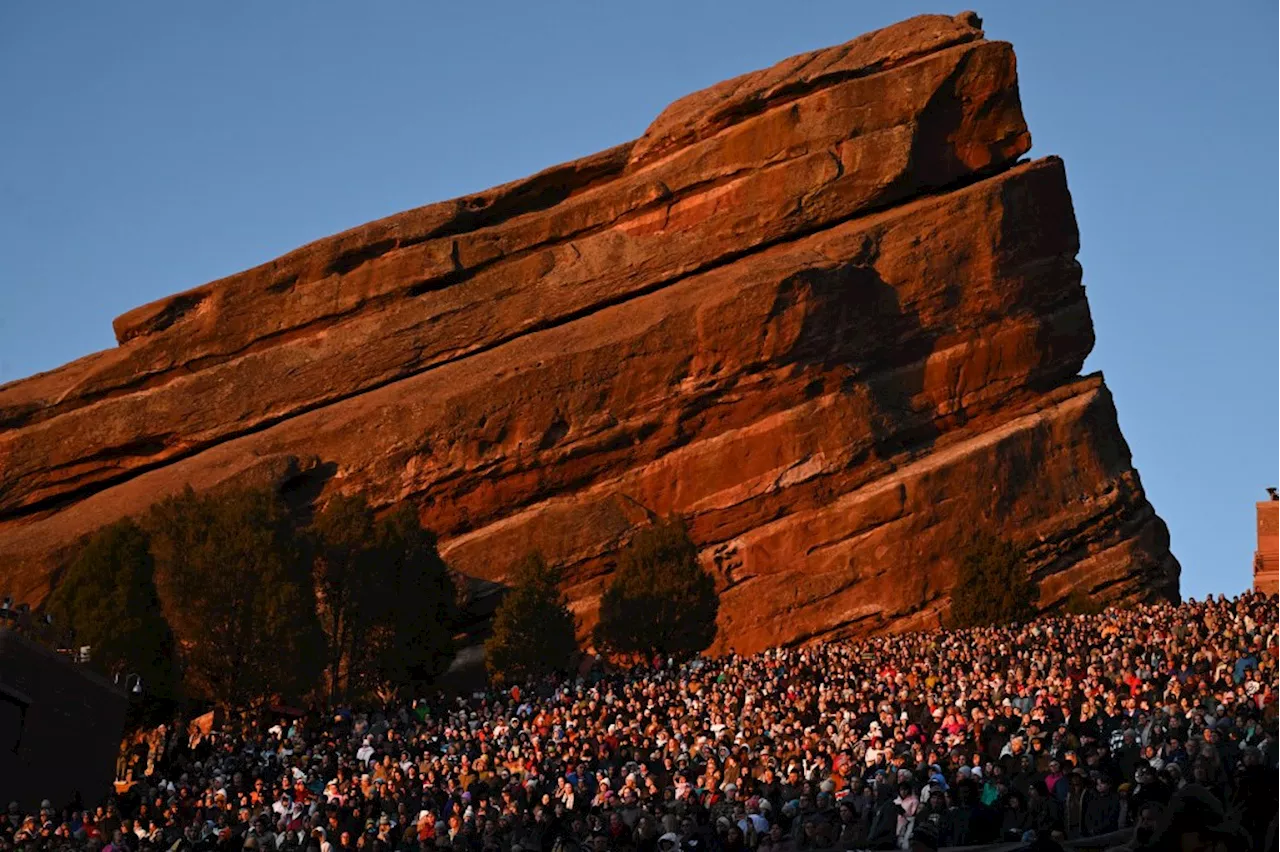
883, 833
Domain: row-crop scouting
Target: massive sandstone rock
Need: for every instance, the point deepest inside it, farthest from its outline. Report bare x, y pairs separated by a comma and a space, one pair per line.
822, 310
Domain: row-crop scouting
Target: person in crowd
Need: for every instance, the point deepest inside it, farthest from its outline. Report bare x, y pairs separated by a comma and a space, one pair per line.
1157, 720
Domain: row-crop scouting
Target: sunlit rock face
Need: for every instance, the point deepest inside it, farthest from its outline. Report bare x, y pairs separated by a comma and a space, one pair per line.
823, 310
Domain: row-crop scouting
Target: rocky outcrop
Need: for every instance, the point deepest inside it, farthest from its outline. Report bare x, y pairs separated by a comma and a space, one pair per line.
822, 310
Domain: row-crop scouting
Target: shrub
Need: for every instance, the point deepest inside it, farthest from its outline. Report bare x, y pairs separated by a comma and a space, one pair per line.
993, 586
1079, 603
660, 600
533, 629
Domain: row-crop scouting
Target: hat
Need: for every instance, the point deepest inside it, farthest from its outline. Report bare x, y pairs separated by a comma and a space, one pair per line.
669, 837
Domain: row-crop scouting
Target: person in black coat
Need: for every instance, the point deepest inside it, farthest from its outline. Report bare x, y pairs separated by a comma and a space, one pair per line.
1102, 809
1016, 819
883, 833
1148, 788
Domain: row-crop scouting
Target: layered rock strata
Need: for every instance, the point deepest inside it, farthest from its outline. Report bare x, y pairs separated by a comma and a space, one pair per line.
822, 310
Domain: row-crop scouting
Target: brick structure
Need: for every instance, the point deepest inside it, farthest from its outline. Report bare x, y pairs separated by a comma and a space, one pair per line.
60, 726
1266, 559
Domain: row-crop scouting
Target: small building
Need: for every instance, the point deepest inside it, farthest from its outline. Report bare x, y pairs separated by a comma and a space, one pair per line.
60, 726
1266, 559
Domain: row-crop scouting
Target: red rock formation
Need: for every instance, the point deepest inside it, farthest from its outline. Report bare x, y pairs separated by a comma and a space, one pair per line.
821, 310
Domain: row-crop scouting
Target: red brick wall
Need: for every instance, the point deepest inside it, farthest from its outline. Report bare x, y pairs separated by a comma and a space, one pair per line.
1266, 576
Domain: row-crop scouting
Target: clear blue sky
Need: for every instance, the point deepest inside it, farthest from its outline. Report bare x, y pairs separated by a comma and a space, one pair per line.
147, 147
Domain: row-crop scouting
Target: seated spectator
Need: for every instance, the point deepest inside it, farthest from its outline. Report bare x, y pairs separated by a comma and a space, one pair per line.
1067, 727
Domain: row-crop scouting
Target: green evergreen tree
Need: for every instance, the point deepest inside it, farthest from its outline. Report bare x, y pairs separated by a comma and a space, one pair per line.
1080, 603
234, 577
660, 599
410, 642
107, 597
993, 586
533, 629
347, 585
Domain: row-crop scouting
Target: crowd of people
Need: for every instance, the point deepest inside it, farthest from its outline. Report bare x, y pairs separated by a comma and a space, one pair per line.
1150, 720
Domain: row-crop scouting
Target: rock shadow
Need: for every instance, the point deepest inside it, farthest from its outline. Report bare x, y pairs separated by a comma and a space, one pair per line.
858, 336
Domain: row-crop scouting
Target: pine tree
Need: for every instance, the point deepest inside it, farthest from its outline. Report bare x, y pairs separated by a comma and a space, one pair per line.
416, 610
234, 577
993, 587
347, 584
533, 629
660, 599
107, 597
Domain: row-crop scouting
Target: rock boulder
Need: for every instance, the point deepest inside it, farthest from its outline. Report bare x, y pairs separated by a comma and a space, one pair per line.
823, 310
